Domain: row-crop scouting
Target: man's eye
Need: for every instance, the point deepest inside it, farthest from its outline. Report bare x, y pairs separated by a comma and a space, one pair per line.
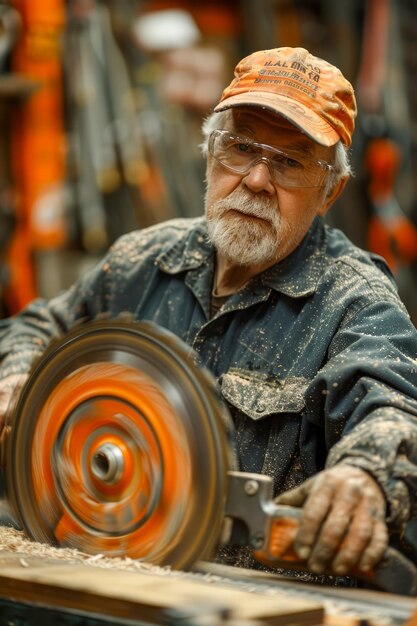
241, 147
289, 162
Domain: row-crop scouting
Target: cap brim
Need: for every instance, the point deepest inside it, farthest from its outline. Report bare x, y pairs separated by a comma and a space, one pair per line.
295, 112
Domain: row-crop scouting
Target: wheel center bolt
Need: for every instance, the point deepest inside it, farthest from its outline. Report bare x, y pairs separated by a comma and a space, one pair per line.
107, 464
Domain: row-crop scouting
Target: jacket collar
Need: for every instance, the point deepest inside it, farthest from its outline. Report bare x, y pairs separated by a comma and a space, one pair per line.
296, 276
189, 252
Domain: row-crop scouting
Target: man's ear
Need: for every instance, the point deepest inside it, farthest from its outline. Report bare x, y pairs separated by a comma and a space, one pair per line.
333, 194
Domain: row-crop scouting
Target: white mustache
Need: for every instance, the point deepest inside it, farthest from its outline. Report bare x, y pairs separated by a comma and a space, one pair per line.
249, 206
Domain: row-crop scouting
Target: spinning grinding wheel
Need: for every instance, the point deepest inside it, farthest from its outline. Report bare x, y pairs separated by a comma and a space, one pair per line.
118, 446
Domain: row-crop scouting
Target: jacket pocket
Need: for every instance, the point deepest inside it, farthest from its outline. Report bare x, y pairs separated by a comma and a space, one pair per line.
257, 397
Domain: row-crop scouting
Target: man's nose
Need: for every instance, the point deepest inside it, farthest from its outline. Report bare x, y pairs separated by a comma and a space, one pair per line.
259, 177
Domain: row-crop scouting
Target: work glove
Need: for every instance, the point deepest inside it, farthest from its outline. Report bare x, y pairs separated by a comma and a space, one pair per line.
10, 389
342, 523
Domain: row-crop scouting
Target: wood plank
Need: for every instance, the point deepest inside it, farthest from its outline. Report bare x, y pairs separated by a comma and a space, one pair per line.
134, 595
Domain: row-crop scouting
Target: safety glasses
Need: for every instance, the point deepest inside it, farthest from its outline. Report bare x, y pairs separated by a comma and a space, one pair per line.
288, 168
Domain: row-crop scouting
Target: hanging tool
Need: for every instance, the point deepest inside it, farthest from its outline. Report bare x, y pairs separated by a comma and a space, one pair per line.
391, 233
106, 146
119, 445
37, 147
39, 142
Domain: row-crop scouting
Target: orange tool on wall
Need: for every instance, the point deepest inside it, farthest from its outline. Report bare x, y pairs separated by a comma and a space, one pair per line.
391, 233
38, 146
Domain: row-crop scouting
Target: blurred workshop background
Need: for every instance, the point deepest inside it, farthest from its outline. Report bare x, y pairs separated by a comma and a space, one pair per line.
101, 104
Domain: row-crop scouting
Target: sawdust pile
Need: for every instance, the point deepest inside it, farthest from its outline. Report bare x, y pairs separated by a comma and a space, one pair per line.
15, 541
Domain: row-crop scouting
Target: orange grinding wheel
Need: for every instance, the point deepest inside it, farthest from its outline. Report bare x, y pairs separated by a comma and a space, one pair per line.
119, 446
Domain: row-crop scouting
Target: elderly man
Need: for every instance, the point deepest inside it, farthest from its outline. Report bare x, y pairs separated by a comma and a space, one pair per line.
313, 350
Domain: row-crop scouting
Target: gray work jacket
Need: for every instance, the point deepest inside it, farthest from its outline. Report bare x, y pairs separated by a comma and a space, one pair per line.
315, 357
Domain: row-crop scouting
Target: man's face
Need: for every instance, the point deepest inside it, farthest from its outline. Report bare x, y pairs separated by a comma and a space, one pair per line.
252, 219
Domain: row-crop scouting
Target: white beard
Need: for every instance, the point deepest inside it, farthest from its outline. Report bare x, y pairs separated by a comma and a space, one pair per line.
245, 241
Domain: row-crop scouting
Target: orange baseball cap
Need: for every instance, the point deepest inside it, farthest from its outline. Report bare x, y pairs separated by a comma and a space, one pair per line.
310, 92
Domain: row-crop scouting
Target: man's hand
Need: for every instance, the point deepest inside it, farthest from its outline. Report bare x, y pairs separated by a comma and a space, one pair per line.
10, 389
342, 522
